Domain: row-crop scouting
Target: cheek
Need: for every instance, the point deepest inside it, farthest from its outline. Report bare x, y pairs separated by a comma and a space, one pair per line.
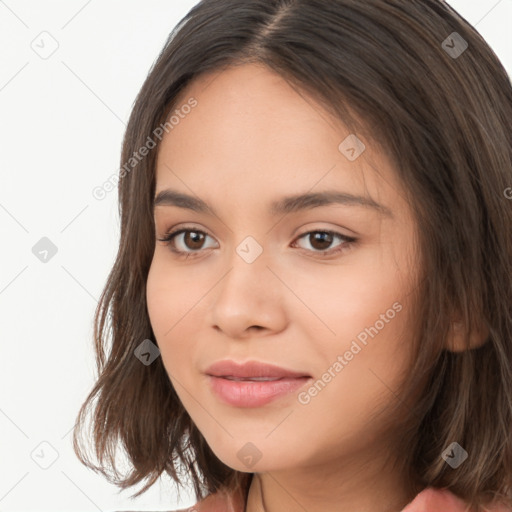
170, 305
368, 308
344, 300
155, 297
167, 296
375, 335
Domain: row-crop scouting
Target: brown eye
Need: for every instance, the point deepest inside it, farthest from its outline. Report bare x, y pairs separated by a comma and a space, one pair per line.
190, 243
193, 240
321, 241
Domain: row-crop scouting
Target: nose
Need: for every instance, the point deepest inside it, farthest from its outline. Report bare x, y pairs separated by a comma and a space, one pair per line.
248, 299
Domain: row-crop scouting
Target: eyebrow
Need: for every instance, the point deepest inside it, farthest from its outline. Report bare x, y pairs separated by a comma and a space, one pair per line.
283, 206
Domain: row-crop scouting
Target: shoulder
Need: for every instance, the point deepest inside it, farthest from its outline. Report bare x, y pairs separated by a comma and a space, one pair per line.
433, 499
217, 502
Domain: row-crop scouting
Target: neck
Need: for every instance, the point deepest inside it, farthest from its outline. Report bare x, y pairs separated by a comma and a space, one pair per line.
338, 487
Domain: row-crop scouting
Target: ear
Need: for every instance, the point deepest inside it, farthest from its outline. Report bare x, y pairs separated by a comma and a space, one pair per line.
457, 338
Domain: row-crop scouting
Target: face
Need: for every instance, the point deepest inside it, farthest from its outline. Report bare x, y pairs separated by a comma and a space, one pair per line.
318, 287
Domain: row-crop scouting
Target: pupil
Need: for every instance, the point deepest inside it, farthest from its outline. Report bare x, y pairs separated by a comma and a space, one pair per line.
196, 238
322, 237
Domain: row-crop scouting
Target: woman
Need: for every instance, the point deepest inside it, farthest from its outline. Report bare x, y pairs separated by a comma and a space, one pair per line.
310, 306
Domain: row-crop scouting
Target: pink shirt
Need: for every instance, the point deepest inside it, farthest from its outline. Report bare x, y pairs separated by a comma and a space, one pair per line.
429, 500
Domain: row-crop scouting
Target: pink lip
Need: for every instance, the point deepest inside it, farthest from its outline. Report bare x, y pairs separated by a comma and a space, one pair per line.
227, 368
246, 393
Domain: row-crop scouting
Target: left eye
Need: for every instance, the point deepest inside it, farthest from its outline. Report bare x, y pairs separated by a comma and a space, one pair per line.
194, 239
324, 238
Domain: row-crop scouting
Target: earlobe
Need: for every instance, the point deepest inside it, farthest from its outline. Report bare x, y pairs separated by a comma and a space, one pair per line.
457, 341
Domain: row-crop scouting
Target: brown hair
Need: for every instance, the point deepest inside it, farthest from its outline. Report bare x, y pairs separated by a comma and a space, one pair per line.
445, 122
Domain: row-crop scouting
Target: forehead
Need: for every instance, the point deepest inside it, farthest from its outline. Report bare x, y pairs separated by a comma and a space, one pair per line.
251, 132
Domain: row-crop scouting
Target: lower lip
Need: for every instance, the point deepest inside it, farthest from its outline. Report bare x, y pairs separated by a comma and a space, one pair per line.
254, 393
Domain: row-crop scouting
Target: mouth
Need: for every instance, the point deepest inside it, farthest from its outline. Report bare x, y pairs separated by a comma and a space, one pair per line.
252, 370
247, 393
252, 379
253, 383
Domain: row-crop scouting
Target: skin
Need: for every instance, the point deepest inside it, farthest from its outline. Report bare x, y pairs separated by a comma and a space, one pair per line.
250, 140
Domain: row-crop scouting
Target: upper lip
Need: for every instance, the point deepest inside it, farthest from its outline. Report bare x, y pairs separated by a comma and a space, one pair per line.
227, 368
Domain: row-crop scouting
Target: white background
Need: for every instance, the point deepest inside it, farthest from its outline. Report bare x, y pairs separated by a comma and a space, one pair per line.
61, 124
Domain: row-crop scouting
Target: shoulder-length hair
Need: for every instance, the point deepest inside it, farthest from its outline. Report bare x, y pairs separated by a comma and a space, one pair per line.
439, 104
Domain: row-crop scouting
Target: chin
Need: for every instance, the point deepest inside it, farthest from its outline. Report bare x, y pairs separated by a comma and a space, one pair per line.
255, 456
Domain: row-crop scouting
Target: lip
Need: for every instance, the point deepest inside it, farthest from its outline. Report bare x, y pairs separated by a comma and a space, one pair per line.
227, 368
247, 393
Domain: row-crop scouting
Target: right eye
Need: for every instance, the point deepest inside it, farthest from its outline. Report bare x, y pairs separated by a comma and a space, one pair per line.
193, 239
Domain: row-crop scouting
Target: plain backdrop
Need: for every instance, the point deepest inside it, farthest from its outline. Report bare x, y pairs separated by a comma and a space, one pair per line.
62, 118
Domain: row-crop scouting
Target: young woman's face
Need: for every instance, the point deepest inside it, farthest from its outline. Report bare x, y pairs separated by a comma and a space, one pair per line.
253, 283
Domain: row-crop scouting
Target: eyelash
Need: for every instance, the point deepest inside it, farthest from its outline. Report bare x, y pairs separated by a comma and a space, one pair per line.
169, 238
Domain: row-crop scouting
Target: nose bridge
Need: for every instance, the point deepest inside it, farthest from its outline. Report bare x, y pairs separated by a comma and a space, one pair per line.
249, 250
246, 295
248, 269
